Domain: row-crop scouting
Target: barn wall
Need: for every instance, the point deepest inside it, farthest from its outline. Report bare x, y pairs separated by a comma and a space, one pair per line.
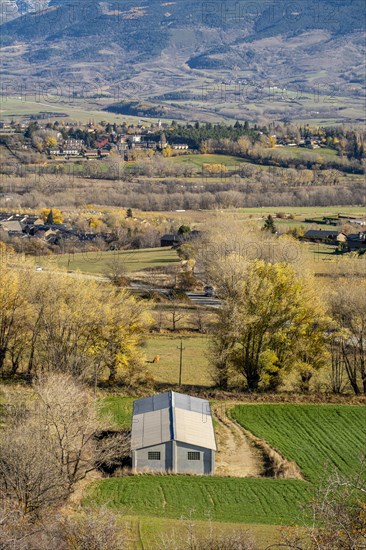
142, 462
185, 466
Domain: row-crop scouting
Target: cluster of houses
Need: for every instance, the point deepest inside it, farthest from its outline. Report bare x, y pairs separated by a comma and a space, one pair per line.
31, 226
310, 142
113, 143
349, 243
346, 243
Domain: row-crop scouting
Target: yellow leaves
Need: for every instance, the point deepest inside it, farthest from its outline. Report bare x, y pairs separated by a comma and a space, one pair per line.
214, 168
95, 222
272, 141
78, 323
51, 143
276, 320
204, 147
167, 151
56, 214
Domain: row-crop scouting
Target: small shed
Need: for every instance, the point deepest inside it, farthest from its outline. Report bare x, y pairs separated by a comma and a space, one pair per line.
173, 432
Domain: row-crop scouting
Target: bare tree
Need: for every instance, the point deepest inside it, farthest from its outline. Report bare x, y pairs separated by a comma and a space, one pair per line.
338, 512
54, 447
337, 373
115, 270
199, 318
91, 529
175, 308
348, 307
30, 476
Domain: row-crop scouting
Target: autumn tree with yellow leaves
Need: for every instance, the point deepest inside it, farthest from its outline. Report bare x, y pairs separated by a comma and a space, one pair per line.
271, 322
49, 323
56, 215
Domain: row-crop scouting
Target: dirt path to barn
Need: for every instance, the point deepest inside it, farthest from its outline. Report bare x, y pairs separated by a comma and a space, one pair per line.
237, 456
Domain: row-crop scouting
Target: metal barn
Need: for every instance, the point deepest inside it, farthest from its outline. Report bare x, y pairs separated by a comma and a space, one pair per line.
173, 432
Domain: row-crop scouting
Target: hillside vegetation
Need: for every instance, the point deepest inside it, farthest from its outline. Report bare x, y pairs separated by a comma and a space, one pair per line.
190, 59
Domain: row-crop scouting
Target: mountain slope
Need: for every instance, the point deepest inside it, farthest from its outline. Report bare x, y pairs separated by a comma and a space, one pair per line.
147, 48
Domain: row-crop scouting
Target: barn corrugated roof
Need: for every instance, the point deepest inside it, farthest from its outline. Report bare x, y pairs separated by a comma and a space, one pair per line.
321, 233
172, 416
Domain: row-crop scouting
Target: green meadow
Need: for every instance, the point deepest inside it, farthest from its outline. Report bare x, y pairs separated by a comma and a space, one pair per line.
319, 438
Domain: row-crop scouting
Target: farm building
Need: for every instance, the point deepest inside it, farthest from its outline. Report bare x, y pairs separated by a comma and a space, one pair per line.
320, 235
170, 240
173, 432
356, 241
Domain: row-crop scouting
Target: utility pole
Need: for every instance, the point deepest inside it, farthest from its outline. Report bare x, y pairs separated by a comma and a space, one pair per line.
95, 380
181, 348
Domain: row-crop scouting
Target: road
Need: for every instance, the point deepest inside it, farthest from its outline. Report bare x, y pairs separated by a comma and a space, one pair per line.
200, 299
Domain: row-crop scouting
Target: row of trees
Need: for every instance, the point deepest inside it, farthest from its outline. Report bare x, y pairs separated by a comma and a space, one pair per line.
173, 194
52, 323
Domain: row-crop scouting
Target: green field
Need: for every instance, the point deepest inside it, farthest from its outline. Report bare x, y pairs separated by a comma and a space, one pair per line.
231, 162
267, 501
96, 262
78, 110
298, 152
318, 438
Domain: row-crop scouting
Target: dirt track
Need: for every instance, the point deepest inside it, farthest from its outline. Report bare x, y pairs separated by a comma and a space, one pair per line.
236, 456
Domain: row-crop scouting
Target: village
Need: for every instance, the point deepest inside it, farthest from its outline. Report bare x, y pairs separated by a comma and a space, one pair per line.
98, 141
344, 233
67, 140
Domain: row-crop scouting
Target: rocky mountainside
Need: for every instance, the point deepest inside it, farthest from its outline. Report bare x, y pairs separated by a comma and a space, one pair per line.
191, 57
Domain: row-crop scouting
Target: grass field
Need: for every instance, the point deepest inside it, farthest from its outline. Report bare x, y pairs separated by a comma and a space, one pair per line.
298, 152
199, 160
231, 162
267, 501
195, 365
151, 530
77, 109
318, 438
306, 211
96, 262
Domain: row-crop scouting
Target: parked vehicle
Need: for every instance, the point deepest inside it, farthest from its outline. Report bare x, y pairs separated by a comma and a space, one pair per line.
209, 291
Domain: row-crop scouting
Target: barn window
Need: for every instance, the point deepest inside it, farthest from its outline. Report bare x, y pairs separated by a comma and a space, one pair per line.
194, 455
153, 455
